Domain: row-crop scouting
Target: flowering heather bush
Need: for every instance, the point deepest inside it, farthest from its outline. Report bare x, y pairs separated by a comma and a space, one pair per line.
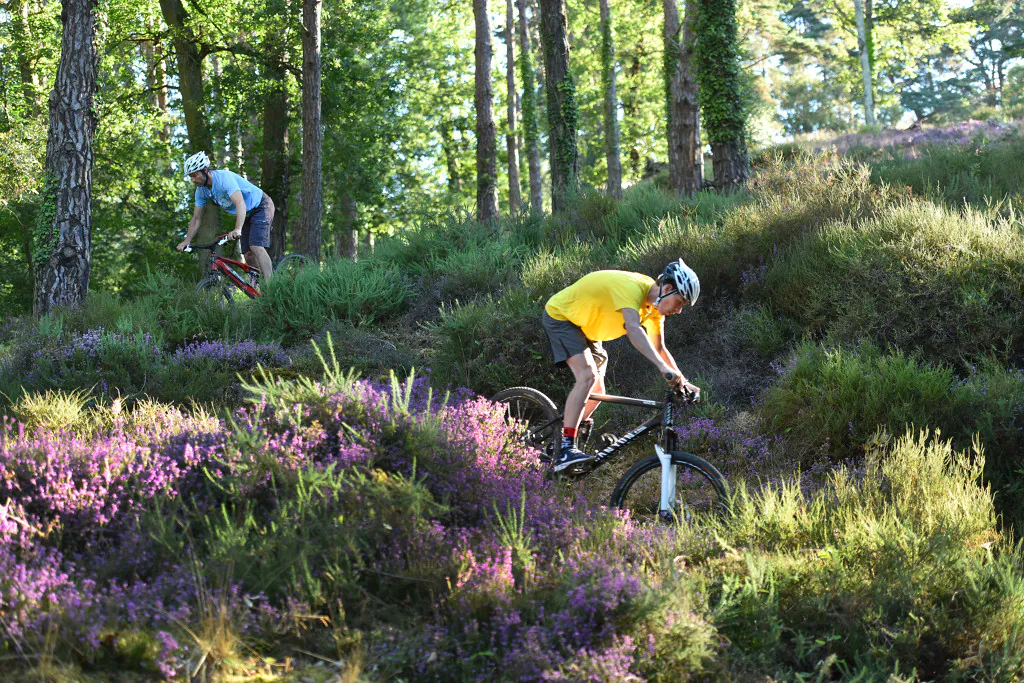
238, 356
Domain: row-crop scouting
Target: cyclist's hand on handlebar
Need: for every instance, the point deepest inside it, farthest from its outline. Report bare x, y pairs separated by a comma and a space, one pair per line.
184, 245
234, 234
683, 386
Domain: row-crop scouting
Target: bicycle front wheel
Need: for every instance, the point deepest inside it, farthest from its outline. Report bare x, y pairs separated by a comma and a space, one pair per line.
218, 286
290, 265
693, 488
537, 413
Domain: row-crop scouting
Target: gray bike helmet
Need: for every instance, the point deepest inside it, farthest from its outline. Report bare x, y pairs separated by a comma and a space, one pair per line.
682, 277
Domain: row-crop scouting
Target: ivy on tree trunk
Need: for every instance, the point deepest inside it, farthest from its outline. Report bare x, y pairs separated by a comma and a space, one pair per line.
611, 104
530, 125
718, 73
563, 113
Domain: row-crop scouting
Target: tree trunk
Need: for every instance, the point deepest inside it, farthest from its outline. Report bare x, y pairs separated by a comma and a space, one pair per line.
717, 58
274, 166
514, 198
563, 114
685, 156
611, 104
190, 87
530, 125
307, 241
865, 63
346, 240
275, 176
64, 253
486, 134
451, 158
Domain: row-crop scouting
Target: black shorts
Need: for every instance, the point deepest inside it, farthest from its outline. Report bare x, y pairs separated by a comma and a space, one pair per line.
567, 341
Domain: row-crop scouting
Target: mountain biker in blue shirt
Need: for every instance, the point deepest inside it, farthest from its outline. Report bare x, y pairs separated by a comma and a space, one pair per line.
252, 207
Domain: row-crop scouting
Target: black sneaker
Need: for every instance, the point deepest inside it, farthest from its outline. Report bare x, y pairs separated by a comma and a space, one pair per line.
571, 456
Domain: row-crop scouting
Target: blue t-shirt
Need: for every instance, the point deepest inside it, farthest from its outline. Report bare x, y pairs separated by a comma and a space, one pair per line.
225, 184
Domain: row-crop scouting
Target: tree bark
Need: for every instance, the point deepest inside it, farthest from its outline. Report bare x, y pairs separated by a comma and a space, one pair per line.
275, 175
307, 241
63, 255
451, 158
865, 63
685, 156
563, 114
486, 134
346, 240
530, 125
514, 194
611, 104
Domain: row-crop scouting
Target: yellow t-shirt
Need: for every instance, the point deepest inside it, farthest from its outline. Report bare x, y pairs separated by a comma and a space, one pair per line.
594, 303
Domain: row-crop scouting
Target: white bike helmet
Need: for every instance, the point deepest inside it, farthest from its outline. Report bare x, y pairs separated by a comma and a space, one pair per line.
682, 277
196, 162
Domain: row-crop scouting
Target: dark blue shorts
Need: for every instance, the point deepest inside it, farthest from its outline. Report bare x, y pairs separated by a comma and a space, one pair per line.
256, 228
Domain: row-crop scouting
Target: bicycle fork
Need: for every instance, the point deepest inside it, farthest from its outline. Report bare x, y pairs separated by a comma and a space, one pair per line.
668, 481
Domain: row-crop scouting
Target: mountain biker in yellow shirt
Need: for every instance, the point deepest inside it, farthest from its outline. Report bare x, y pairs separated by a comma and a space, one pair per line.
602, 306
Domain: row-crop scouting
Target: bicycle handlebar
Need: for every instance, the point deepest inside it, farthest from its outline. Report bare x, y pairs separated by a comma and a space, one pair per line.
221, 241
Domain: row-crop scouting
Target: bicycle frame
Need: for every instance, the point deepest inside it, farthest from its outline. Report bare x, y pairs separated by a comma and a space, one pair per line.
222, 265
663, 420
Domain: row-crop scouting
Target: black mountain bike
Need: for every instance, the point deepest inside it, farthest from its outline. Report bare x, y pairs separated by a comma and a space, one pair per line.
669, 484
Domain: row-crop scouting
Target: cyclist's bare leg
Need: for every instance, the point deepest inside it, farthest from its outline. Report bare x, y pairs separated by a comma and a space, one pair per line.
258, 256
598, 388
587, 373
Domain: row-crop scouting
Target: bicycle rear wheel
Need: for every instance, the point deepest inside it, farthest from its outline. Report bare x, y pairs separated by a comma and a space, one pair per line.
539, 415
700, 489
220, 287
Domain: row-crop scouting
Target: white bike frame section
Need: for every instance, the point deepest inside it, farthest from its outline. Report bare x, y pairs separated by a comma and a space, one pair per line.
668, 479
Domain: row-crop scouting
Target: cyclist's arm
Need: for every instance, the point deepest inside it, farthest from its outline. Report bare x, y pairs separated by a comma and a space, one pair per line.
239, 202
639, 339
658, 342
193, 227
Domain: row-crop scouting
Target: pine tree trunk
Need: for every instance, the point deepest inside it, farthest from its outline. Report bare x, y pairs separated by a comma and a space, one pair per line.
865, 63
64, 253
451, 158
307, 241
563, 114
486, 134
190, 88
346, 241
274, 166
514, 195
611, 104
275, 176
685, 156
529, 101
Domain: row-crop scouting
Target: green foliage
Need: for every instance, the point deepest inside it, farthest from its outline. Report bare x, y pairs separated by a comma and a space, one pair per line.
984, 175
837, 400
492, 343
895, 567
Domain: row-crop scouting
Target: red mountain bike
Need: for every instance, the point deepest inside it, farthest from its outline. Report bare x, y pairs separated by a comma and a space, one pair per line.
224, 275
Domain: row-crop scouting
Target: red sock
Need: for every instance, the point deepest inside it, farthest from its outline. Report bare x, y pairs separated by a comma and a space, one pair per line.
569, 432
